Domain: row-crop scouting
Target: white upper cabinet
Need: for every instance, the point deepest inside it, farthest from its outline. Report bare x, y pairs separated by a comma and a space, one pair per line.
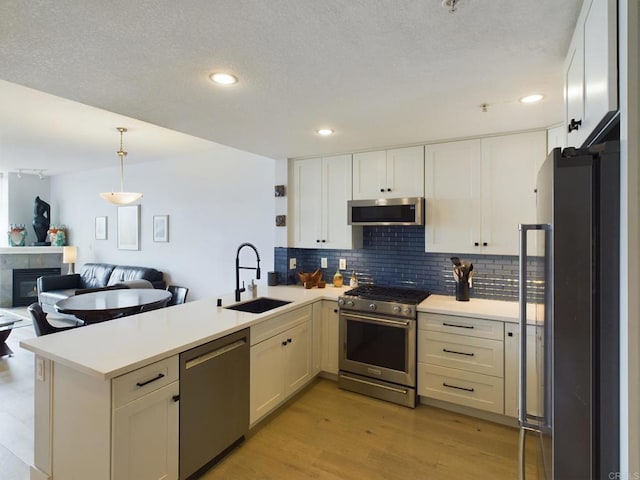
591, 76
320, 190
452, 191
394, 173
478, 191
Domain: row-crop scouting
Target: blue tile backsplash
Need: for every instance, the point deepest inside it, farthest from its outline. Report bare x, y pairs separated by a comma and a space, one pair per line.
395, 256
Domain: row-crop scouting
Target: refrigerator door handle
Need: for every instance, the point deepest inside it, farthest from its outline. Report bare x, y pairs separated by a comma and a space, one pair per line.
523, 418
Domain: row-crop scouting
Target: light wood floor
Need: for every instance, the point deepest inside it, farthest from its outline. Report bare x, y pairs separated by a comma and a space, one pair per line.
325, 433
16, 408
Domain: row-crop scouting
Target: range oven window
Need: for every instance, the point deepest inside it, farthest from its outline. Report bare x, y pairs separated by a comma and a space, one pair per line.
376, 344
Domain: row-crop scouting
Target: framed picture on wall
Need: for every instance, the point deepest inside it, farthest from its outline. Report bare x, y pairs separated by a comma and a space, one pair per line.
129, 227
101, 228
161, 228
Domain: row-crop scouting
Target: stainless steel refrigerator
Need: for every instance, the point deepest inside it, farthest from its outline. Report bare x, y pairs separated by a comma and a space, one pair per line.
569, 287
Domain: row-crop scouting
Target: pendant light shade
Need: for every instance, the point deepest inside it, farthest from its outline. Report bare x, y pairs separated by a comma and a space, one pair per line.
121, 197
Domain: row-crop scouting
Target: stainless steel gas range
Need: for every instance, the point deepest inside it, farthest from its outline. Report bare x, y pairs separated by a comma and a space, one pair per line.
378, 342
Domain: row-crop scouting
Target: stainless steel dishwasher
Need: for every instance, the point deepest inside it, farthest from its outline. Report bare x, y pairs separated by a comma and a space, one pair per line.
214, 401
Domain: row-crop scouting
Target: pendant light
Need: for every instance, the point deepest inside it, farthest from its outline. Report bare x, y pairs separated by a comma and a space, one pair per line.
121, 197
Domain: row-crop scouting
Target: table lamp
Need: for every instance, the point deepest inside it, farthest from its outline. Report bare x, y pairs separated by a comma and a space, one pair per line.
70, 255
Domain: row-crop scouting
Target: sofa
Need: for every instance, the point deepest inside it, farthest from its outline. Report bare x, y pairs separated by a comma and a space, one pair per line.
94, 277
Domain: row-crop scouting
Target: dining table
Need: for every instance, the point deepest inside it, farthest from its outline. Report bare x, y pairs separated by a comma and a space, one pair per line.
104, 305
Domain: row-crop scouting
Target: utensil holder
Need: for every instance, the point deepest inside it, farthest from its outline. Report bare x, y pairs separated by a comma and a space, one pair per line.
462, 290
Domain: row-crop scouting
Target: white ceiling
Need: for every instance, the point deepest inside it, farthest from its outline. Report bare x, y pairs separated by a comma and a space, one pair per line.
379, 72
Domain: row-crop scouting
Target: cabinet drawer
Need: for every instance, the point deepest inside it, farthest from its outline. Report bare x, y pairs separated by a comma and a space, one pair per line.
473, 327
479, 355
279, 324
483, 392
135, 384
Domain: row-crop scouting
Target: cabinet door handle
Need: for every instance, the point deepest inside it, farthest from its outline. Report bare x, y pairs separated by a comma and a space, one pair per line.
459, 353
444, 384
476, 244
445, 324
484, 244
574, 125
284, 344
142, 384
323, 241
382, 189
388, 189
289, 340
318, 241
176, 398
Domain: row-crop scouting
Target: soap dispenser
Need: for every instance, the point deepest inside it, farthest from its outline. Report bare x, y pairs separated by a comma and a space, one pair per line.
354, 280
337, 279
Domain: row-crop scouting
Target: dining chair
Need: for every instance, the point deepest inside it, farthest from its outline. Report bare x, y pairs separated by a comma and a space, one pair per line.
40, 323
178, 295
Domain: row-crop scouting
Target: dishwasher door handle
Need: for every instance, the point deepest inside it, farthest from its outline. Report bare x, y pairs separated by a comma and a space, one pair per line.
205, 357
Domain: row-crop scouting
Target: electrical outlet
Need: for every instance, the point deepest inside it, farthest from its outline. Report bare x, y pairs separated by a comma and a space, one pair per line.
343, 264
292, 264
323, 262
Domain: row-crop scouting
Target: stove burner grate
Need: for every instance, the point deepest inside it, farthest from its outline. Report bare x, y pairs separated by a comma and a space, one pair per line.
389, 294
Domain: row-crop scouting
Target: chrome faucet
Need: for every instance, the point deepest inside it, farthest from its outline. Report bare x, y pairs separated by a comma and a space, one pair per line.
238, 267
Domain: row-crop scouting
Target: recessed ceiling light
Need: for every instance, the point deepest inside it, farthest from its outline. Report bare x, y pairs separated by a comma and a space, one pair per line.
536, 97
324, 132
223, 78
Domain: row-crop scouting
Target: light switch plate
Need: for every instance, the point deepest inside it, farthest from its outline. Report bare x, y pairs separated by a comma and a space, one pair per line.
343, 264
292, 264
323, 262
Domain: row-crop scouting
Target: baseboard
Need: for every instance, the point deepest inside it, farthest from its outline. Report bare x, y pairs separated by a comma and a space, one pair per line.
469, 411
37, 474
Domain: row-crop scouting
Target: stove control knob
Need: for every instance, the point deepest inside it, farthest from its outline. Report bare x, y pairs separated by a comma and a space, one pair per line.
406, 310
372, 306
396, 309
349, 303
341, 302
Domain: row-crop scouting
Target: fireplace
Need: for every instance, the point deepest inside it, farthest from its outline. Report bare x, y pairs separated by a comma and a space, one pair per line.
25, 291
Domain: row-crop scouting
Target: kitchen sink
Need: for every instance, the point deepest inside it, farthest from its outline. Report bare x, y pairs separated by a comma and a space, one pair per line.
259, 305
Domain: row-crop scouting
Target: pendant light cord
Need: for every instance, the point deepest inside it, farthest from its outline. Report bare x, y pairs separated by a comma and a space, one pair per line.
121, 153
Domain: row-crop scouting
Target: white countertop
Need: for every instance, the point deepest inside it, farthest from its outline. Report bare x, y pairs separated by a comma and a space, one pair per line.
477, 308
116, 347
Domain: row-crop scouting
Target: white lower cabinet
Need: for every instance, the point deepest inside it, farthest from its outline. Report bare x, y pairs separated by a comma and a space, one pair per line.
329, 362
144, 437
511, 369
461, 360
281, 361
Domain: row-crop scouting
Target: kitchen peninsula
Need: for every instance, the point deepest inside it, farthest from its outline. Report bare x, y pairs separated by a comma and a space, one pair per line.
85, 378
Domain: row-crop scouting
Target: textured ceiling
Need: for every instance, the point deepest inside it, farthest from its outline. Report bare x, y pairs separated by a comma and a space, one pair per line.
379, 72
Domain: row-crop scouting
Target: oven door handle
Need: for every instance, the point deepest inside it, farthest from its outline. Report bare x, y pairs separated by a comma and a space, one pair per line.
384, 321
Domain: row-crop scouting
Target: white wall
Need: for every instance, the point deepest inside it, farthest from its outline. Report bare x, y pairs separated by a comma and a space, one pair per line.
629, 55
20, 194
215, 200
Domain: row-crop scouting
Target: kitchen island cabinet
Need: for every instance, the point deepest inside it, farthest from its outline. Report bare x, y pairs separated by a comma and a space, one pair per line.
478, 191
92, 420
394, 173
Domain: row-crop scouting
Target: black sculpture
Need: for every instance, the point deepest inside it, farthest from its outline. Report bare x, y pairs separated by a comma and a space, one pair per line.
41, 221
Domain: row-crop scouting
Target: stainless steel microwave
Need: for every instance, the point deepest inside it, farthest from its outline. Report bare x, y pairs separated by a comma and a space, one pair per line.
386, 211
